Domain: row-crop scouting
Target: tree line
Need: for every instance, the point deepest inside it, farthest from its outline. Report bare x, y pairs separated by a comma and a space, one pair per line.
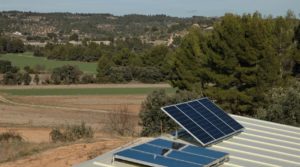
11, 45
241, 62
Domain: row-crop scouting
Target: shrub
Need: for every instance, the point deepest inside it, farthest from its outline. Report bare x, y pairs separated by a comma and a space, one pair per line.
153, 120
10, 78
71, 133
148, 75
5, 66
10, 136
88, 78
119, 74
121, 122
66, 74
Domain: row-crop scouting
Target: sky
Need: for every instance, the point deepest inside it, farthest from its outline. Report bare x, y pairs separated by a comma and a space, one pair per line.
180, 8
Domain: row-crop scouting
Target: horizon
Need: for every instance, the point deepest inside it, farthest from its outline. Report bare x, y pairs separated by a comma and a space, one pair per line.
189, 8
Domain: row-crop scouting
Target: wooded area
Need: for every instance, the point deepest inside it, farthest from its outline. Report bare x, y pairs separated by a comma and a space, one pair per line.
245, 62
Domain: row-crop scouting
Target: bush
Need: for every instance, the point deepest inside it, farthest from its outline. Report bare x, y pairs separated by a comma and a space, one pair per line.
5, 66
121, 122
66, 74
71, 133
88, 78
153, 120
282, 106
10, 78
119, 74
148, 75
10, 136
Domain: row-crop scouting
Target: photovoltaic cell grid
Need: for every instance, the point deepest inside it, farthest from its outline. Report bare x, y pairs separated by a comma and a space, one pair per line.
204, 120
160, 152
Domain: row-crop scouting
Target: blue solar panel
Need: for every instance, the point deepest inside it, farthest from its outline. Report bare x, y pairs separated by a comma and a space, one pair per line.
162, 143
169, 153
150, 149
191, 157
200, 120
148, 158
189, 125
221, 114
205, 152
203, 120
211, 117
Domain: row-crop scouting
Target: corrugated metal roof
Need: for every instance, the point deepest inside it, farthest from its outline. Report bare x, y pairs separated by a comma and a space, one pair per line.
262, 143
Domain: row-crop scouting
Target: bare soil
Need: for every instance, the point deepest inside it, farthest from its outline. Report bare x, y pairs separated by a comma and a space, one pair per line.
105, 102
34, 116
68, 155
35, 135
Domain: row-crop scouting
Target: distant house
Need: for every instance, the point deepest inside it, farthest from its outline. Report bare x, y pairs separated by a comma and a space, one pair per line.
17, 33
102, 42
209, 28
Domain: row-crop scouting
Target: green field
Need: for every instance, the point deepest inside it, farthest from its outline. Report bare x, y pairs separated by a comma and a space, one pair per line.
83, 91
27, 59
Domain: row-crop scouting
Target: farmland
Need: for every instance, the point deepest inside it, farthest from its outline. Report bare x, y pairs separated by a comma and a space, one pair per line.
82, 91
27, 59
33, 110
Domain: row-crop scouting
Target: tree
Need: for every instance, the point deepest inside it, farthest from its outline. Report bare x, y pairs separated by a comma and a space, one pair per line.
187, 64
104, 64
148, 74
235, 63
10, 78
74, 37
26, 78
297, 36
153, 120
283, 105
66, 74
88, 78
28, 69
36, 79
5, 66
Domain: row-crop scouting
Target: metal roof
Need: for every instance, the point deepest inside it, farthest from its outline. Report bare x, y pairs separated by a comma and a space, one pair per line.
262, 143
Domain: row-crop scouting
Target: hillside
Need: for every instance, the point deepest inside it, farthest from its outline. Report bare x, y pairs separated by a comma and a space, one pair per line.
59, 26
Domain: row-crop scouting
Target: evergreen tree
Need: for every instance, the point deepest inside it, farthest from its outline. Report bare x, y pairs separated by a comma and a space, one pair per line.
104, 64
36, 79
26, 78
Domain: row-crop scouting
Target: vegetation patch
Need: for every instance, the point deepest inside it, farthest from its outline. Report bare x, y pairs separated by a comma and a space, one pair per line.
10, 136
71, 133
13, 147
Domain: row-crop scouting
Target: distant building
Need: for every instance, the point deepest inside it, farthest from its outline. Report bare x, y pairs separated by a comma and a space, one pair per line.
17, 33
102, 42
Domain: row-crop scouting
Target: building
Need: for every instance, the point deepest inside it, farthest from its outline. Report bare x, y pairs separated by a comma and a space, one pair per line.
261, 143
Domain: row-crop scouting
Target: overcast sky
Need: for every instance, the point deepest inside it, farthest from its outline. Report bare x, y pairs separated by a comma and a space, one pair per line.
181, 8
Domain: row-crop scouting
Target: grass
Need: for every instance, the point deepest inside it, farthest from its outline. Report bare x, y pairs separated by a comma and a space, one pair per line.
83, 91
27, 59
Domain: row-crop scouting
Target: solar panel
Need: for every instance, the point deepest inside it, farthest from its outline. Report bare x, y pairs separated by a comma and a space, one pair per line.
221, 114
203, 120
160, 152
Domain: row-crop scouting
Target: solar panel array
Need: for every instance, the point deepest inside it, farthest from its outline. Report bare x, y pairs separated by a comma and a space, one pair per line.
160, 152
204, 120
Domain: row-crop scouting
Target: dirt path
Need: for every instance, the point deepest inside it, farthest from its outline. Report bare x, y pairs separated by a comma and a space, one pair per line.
68, 155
